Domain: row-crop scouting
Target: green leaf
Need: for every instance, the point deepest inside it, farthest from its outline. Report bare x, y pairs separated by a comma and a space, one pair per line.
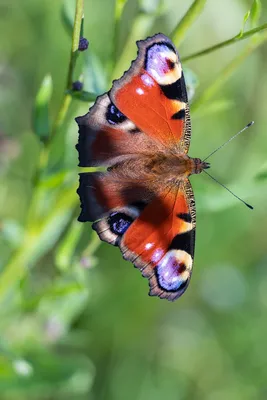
41, 123
83, 96
255, 12
246, 17
94, 75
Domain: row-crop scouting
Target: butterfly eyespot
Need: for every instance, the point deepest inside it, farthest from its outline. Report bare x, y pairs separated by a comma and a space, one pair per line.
119, 222
170, 64
162, 64
172, 273
113, 115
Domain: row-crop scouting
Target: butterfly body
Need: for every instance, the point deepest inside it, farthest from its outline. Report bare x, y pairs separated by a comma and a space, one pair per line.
160, 166
144, 204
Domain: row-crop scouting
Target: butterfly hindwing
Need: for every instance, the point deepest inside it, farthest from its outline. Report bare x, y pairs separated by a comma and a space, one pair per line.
112, 201
157, 235
161, 241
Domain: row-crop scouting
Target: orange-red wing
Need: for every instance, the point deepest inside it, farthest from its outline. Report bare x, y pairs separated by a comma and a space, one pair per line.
160, 242
152, 94
146, 111
103, 193
107, 137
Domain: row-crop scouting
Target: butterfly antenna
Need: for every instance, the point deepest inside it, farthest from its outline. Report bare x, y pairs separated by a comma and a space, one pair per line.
229, 140
246, 204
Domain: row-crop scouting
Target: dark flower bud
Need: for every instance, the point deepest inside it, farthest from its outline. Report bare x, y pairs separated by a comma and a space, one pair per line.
77, 86
83, 44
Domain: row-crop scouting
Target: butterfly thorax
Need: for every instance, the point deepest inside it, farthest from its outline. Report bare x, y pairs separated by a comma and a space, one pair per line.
160, 165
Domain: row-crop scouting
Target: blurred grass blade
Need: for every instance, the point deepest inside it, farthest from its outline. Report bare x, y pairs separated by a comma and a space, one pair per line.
41, 122
119, 6
66, 249
67, 15
255, 12
55, 180
182, 27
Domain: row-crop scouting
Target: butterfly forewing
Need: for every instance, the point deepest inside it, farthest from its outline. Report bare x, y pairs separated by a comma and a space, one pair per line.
152, 93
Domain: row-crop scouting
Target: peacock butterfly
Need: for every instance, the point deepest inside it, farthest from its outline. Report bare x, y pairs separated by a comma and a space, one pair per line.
143, 203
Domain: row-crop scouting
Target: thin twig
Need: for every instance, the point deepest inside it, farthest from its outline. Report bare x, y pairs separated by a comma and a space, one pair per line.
227, 72
73, 57
234, 39
67, 98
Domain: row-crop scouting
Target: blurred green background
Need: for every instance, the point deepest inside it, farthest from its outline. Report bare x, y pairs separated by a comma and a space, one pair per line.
76, 321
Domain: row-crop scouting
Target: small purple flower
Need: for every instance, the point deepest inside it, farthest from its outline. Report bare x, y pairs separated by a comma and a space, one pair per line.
77, 86
83, 44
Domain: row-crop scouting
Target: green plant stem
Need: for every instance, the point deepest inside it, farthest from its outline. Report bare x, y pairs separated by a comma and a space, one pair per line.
182, 27
227, 72
73, 57
234, 39
67, 98
17, 267
75, 40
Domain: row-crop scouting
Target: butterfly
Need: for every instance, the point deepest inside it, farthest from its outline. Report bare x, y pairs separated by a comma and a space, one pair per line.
143, 203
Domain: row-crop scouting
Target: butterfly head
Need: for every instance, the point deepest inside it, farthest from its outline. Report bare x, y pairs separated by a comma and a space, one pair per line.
199, 165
